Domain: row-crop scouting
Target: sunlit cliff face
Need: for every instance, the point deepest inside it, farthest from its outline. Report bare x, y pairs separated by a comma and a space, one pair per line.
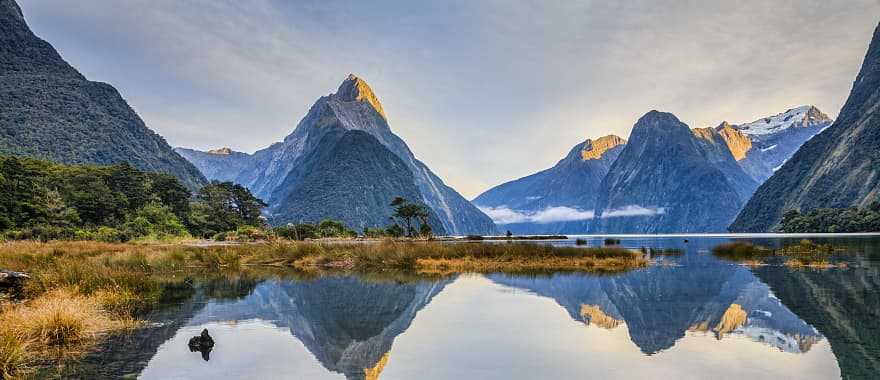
594, 149
356, 89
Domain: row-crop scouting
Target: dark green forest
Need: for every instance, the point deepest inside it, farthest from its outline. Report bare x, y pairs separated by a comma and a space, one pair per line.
833, 220
49, 201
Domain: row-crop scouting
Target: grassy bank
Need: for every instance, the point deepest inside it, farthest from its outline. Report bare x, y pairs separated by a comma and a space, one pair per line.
81, 291
805, 254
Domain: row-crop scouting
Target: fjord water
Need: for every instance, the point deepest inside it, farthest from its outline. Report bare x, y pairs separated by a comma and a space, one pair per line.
689, 316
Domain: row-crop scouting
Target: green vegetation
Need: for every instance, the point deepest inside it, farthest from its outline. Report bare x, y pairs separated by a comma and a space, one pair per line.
47, 201
833, 220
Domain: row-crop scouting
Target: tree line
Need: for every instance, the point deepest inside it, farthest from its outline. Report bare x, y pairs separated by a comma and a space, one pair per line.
833, 220
43, 200
50, 201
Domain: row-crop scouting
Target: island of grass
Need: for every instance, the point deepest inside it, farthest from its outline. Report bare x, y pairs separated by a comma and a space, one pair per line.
80, 291
804, 254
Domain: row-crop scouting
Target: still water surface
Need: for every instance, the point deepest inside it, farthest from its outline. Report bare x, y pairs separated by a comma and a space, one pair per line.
688, 317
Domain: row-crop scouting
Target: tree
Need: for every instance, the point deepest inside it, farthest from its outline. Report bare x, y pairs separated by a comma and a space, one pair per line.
409, 212
224, 206
168, 190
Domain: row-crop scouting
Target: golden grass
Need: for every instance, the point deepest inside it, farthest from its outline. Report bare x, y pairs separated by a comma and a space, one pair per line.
13, 354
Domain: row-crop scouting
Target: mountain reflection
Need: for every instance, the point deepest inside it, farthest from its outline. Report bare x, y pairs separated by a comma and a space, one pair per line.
660, 304
347, 323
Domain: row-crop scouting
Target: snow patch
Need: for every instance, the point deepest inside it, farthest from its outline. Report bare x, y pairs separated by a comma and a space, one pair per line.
775, 123
771, 147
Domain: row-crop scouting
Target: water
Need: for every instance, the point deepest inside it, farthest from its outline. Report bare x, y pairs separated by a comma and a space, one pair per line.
688, 317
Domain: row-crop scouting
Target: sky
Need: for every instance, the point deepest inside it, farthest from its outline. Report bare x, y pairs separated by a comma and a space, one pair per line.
482, 91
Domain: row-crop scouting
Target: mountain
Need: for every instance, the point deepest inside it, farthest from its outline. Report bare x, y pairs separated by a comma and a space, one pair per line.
356, 174
272, 174
837, 168
762, 146
572, 183
669, 179
221, 164
51, 111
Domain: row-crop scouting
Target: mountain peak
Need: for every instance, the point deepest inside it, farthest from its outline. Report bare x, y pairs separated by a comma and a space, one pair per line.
594, 149
354, 88
799, 117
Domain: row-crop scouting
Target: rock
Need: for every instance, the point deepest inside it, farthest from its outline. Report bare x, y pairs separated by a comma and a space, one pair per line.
202, 343
9, 279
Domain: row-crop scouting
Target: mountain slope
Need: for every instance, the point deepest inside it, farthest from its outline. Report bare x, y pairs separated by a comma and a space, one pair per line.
573, 183
222, 164
355, 107
837, 168
49, 110
663, 182
354, 173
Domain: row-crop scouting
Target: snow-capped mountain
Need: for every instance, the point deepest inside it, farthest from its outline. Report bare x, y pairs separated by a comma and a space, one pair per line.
762, 146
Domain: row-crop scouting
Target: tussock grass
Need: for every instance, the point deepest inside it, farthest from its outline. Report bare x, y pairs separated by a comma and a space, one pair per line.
13, 354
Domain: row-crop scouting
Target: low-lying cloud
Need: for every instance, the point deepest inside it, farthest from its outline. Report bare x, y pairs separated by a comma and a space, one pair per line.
634, 210
506, 215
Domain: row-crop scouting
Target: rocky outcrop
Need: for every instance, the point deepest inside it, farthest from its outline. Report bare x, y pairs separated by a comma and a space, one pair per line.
50, 111
12, 280
837, 168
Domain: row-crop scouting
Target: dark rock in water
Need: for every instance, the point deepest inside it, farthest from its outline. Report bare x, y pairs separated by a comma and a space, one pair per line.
202, 343
14, 280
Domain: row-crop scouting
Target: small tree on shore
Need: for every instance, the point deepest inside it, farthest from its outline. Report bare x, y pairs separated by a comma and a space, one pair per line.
409, 212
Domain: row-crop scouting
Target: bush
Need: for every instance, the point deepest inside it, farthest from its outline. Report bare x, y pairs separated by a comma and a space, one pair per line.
110, 235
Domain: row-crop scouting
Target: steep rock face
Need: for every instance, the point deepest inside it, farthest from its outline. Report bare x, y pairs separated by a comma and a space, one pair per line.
762, 146
350, 177
354, 106
663, 182
222, 164
837, 168
49, 110
573, 183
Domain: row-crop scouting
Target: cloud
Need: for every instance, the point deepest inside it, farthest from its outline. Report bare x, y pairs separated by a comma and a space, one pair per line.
506, 215
634, 210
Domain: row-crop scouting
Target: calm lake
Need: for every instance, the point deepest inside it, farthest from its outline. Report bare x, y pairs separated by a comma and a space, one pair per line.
688, 317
